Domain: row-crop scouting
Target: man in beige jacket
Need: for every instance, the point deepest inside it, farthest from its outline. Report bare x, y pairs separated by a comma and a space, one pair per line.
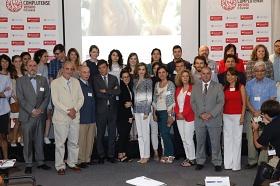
67, 97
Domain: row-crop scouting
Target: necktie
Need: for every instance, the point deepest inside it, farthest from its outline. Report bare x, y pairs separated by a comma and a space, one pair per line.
205, 88
32, 77
105, 80
68, 85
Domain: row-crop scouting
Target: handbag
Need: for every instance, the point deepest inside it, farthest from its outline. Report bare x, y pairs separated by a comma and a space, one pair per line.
14, 105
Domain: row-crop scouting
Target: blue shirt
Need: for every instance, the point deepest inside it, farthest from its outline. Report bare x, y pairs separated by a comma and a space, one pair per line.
5, 82
259, 91
54, 66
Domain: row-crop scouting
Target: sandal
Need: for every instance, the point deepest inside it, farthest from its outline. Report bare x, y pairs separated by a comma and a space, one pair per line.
163, 159
187, 163
170, 159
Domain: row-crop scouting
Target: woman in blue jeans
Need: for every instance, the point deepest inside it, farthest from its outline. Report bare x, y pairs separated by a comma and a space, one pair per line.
163, 103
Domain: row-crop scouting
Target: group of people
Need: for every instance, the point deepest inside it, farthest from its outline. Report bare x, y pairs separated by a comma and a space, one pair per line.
203, 99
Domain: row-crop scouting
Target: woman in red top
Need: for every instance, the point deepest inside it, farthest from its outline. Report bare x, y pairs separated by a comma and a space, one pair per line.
185, 115
234, 110
230, 49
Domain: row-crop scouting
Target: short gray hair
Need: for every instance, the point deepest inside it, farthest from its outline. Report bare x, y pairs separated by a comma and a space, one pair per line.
259, 63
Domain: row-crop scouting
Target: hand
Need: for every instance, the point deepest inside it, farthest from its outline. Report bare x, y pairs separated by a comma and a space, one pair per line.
72, 113
130, 120
256, 113
241, 121
102, 90
145, 117
155, 117
204, 116
35, 113
255, 126
209, 116
128, 104
180, 116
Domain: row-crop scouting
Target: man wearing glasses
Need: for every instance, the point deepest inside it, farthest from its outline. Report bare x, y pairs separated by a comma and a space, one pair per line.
258, 90
57, 63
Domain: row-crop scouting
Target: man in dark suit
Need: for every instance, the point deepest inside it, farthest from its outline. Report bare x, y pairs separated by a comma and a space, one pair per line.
207, 102
106, 88
33, 94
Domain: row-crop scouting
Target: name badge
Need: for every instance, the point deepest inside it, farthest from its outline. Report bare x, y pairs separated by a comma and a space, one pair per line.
231, 89
271, 152
89, 94
42, 89
257, 98
189, 93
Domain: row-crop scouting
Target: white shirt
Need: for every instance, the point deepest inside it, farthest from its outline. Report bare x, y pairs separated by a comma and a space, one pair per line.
181, 100
203, 85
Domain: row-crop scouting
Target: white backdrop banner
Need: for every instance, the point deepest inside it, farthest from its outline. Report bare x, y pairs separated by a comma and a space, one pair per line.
30, 25
244, 23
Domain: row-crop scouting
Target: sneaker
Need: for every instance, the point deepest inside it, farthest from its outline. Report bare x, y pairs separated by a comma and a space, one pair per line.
47, 140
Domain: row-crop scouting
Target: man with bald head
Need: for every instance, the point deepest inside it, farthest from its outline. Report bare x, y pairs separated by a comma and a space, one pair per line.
68, 98
33, 95
87, 119
204, 51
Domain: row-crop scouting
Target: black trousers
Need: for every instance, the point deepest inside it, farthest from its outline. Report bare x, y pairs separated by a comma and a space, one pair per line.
124, 128
103, 121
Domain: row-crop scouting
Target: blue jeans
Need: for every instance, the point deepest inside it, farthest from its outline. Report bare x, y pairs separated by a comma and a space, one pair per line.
165, 132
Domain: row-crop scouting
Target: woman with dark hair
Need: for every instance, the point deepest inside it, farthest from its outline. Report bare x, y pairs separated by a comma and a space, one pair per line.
230, 62
153, 123
132, 61
163, 103
259, 53
230, 49
41, 58
18, 72
5, 94
142, 88
25, 56
6, 67
185, 115
233, 117
155, 57
92, 62
115, 61
125, 114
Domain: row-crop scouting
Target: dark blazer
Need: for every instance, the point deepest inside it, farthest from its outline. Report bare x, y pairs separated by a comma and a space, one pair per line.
112, 91
125, 113
93, 70
28, 99
87, 111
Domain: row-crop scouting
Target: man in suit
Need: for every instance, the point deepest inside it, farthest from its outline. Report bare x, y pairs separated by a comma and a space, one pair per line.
33, 94
106, 88
68, 98
207, 101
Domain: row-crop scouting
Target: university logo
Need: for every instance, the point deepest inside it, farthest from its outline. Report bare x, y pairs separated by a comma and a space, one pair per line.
228, 4
14, 5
